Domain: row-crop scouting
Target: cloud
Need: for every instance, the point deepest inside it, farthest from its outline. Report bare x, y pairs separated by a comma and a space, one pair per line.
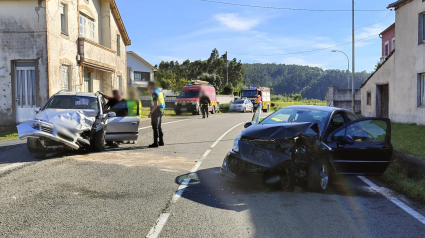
235, 22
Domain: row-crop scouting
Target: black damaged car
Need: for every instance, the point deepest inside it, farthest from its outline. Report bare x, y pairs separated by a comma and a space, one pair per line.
311, 143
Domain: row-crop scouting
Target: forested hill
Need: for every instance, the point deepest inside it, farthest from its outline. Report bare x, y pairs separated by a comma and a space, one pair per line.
311, 82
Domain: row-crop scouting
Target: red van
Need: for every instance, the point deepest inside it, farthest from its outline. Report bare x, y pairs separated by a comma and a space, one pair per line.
188, 99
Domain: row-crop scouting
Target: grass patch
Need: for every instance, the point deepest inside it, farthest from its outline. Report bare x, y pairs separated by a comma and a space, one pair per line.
408, 138
9, 134
397, 180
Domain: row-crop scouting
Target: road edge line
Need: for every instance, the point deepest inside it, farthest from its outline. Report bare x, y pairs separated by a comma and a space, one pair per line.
159, 224
394, 200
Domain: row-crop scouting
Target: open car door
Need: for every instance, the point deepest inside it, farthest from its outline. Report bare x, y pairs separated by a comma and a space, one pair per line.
123, 127
362, 147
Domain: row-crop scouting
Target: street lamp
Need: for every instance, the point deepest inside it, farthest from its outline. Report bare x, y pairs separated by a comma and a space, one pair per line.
352, 80
348, 69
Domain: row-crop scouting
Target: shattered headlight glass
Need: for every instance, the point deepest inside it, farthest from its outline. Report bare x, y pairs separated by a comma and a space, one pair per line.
236, 143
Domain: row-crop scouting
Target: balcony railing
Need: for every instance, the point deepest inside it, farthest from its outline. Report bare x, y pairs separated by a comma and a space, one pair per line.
96, 55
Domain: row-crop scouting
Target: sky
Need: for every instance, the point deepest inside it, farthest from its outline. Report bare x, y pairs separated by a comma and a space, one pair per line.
191, 29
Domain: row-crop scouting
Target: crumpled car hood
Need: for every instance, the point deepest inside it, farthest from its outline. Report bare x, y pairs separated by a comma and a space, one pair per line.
268, 145
74, 120
276, 131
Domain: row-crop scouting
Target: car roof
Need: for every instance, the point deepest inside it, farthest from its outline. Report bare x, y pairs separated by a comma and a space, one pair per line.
317, 108
84, 94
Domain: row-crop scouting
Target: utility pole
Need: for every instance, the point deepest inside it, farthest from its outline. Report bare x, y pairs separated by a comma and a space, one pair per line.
227, 71
353, 65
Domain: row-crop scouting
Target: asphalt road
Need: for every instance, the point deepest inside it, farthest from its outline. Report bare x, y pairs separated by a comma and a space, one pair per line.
130, 191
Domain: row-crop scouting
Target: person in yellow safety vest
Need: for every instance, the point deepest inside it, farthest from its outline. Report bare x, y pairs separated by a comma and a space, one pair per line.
157, 111
134, 105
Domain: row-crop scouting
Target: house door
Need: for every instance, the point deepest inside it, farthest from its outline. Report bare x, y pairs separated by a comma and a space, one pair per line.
384, 101
25, 92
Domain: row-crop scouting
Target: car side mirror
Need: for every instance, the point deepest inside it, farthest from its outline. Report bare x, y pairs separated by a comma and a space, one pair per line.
348, 140
248, 124
37, 109
112, 114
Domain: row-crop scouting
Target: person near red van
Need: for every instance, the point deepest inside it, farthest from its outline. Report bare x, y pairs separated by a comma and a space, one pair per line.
205, 102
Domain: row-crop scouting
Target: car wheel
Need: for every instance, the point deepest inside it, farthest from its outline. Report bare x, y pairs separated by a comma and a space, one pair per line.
34, 146
97, 143
318, 176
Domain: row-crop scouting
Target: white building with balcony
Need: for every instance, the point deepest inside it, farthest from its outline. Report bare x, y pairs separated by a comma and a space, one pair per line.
139, 72
48, 46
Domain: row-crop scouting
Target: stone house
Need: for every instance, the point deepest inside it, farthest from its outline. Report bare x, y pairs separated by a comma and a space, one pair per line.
397, 88
48, 46
139, 72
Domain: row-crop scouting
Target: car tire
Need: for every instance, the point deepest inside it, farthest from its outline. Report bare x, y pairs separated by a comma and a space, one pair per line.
97, 143
34, 146
318, 176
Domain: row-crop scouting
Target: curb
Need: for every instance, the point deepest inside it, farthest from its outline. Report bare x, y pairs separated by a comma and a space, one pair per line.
413, 167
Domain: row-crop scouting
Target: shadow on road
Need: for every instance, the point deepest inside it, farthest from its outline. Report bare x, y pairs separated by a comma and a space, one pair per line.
209, 188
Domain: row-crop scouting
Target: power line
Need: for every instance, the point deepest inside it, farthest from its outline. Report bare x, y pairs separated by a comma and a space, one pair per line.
308, 51
294, 9
374, 22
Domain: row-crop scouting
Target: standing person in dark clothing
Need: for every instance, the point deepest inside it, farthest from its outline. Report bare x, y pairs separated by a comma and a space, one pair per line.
157, 111
204, 101
112, 101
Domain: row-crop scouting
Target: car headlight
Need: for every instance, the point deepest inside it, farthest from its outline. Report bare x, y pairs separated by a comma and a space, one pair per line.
236, 143
194, 103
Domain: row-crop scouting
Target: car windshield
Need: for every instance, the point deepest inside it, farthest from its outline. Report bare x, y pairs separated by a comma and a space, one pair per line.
189, 94
298, 115
239, 102
249, 93
72, 102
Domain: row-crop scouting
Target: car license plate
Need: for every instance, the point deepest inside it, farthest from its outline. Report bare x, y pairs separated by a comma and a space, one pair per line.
184, 103
183, 109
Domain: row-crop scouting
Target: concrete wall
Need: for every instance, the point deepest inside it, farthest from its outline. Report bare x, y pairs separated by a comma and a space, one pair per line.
409, 63
223, 99
342, 98
22, 37
385, 75
403, 71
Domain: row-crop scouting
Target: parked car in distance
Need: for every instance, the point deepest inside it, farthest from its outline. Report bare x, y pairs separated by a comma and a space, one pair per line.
76, 121
311, 143
241, 105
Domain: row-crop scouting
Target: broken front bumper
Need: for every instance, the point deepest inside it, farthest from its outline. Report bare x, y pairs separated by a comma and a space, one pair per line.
233, 166
39, 129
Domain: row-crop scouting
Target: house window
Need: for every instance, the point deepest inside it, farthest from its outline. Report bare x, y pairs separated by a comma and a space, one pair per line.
64, 18
393, 44
422, 88
118, 45
118, 83
65, 77
87, 82
87, 28
142, 76
422, 22
386, 48
369, 98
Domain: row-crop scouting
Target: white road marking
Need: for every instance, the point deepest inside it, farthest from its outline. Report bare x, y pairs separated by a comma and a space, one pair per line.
400, 204
149, 127
155, 230
206, 153
180, 190
11, 166
225, 133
